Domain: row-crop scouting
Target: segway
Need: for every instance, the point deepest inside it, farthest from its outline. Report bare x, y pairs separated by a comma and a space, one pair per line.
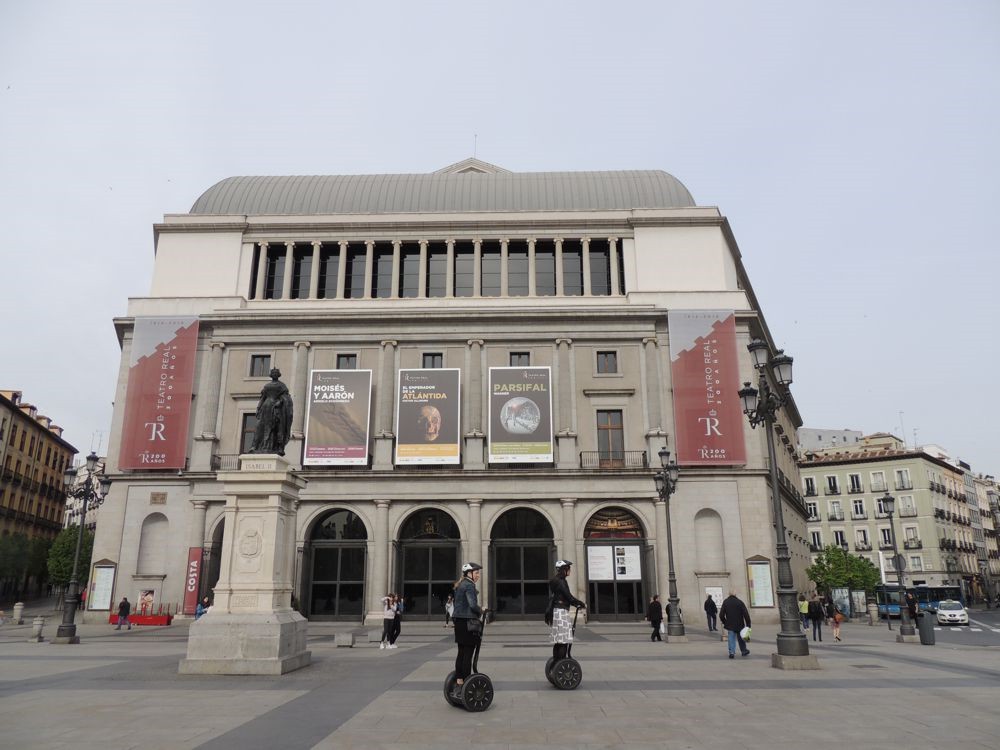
477, 690
565, 673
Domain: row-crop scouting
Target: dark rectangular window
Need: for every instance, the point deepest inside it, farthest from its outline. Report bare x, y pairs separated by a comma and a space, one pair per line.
409, 269
437, 269
260, 365
465, 269
357, 257
382, 277
620, 264
545, 268
275, 272
520, 359
301, 270
490, 268
329, 265
253, 272
347, 361
433, 360
607, 362
247, 430
600, 268
517, 268
610, 436
572, 263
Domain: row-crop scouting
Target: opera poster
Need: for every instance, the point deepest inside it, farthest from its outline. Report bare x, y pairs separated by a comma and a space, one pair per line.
337, 418
704, 368
158, 395
427, 416
520, 422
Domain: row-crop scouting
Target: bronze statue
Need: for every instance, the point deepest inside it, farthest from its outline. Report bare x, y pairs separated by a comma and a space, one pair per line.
274, 417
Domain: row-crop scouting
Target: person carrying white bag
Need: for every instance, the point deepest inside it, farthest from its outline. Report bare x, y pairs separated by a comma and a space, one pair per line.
735, 617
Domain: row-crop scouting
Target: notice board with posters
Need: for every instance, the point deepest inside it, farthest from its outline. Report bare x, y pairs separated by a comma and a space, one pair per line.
428, 416
337, 418
520, 420
761, 586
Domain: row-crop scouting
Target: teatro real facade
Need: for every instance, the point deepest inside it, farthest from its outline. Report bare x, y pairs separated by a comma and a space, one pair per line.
483, 365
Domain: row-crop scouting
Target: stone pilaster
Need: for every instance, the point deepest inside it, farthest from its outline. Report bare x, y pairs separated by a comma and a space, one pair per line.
206, 439
474, 456
384, 395
565, 434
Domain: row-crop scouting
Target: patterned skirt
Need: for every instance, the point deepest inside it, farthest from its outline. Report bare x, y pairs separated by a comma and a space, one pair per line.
562, 626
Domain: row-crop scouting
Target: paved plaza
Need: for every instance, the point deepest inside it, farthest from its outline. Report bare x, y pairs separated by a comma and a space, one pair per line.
121, 690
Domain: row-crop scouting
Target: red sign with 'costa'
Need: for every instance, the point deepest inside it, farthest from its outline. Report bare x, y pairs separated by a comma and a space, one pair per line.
158, 399
704, 368
192, 580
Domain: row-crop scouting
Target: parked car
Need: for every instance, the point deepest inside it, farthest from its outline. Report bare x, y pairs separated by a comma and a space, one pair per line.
951, 612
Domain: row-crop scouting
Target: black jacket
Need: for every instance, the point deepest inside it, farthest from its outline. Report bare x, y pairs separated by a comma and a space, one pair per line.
734, 614
124, 608
816, 611
711, 607
559, 591
655, 612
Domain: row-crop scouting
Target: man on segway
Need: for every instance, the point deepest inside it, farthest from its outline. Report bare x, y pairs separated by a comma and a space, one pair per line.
559, 604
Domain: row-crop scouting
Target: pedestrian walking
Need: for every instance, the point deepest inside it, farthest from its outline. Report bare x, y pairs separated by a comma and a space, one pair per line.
124, 608
468, 629
804, 612
817, 615
654, 613
388, 620
912, 606
735, 616
836, 618
449, 609
711, 610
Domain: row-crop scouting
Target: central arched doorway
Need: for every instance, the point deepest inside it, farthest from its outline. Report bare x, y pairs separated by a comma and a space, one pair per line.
617, 561
336, 555
427, 562
521, 555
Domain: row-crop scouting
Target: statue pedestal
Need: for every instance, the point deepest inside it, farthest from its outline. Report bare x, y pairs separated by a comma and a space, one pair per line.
251, 627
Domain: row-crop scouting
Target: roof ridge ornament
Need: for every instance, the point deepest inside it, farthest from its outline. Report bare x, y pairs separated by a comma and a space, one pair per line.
472, 165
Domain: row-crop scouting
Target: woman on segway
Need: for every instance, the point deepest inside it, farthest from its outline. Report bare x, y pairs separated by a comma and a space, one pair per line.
561, 599
466, 610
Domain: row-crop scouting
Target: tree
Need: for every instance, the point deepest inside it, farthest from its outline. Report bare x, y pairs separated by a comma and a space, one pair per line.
61, 556
835, 568
38, 559
13, 561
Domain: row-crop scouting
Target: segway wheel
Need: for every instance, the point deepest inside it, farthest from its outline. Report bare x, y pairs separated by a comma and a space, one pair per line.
478, 693
548, 669
449, 686
566, 674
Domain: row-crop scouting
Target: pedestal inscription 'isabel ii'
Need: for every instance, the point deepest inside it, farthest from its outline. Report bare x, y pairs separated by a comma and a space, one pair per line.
274, 417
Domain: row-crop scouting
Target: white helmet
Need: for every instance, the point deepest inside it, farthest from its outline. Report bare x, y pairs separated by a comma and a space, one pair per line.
470, 566
560, 564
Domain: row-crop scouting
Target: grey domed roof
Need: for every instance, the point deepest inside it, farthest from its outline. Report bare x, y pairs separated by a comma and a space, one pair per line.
469, 186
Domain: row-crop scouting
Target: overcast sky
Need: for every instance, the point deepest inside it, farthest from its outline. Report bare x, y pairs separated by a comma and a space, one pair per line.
853, 146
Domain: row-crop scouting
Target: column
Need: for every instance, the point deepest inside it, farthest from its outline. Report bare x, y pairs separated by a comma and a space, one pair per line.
384, 394
586, 267
261, 271
449, 277
652, 385
196, 535
369, 260
532, 289
616, 288
566, 434
475, 550
396, 245
380, 564
205, 438
477, 271
568, 547
286, 279
300, 386
559, 267
317, 257
342, 271
503, 267
422, 281
475, 440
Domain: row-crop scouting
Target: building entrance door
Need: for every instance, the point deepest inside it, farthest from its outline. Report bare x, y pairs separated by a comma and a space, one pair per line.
522, 554
427, 563
336, 563
616, 565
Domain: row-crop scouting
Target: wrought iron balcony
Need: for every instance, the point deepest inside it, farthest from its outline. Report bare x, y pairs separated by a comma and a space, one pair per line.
831, 491
862, 546
907, 512
859, 516
885, 545
913, 544
613, 460
835, 515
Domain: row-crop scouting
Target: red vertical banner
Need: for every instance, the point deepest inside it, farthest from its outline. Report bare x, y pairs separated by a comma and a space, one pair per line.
704, 367
192, 580
158, 399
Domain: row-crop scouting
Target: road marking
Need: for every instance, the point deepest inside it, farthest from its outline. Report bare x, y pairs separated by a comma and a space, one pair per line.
938, 628
985, 625
975, 630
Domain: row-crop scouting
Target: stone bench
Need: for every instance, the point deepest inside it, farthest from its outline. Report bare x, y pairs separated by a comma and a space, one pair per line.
374, 636
344, 640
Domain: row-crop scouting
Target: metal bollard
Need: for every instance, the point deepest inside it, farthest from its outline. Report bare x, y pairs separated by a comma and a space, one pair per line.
36, 630
19, 613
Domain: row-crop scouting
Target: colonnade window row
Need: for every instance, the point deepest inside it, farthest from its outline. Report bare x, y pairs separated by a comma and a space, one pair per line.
437, 268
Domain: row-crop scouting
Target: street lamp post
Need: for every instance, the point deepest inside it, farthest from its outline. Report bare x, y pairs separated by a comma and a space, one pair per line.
86, 494
666, 483
761, 406
905, 624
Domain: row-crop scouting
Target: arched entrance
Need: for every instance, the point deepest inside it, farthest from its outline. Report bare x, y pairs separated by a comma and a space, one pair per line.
336, 565
521, 555
617, 555
213, 561
427, 562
